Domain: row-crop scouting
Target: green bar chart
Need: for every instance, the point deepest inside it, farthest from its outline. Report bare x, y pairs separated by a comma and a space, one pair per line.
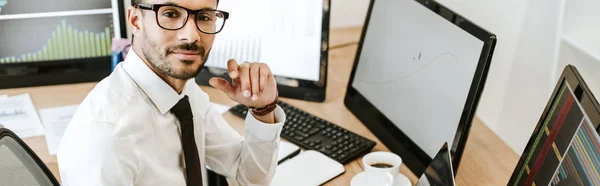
67, 42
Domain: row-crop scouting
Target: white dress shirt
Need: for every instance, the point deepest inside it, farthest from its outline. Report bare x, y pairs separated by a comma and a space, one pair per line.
123, 134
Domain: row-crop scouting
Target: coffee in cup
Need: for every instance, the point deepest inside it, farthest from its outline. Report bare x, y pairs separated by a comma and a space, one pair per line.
381, 168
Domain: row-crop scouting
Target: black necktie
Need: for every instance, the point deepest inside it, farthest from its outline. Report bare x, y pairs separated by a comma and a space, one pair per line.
183, 112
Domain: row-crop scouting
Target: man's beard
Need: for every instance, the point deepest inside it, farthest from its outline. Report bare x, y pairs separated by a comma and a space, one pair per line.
159, 60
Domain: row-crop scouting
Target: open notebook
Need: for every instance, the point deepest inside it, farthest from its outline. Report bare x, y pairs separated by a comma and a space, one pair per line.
305, 169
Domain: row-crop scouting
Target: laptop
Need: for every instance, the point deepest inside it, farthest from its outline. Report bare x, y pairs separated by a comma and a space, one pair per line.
564, 147
439, 172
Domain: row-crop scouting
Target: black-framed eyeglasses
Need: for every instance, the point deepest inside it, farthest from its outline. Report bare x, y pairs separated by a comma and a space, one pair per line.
173, 17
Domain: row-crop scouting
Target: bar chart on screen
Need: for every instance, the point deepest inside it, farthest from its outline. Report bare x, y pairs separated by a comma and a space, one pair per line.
49, 31
67, 43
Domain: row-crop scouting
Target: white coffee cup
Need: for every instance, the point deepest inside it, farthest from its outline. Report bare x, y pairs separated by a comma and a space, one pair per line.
381, 168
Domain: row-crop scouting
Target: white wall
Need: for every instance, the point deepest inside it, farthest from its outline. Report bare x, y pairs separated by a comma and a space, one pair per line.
531, 79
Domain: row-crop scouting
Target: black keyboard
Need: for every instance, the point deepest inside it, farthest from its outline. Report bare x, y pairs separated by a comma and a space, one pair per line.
313, 133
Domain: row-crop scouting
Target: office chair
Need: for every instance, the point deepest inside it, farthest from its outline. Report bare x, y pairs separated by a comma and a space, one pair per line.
19, 165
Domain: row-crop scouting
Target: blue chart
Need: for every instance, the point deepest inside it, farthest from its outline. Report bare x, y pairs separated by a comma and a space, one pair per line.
67, 42
581, 164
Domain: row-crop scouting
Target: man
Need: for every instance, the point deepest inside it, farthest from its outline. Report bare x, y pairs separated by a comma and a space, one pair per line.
149, 124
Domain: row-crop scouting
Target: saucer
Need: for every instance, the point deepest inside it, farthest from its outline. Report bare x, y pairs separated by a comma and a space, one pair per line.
359, 180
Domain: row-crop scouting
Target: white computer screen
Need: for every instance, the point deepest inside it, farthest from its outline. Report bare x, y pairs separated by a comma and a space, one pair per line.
417, 67
285, 34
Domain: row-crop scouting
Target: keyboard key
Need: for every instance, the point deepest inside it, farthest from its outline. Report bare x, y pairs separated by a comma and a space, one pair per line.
299, 138
342, 156
325, 151
352, 150
300, 133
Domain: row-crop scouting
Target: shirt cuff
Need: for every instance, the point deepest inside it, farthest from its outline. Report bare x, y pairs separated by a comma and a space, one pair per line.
265, 131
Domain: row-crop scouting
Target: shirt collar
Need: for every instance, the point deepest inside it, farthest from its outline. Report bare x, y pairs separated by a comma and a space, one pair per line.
160, 93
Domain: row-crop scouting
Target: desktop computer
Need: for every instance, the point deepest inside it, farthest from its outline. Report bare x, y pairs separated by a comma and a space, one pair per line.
57, 42
417, 78
291, 36
564, 148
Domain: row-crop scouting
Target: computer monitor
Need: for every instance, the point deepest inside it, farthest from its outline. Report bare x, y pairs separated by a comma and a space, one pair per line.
57, 42
564, 148
440, 171
291, 36
418, 75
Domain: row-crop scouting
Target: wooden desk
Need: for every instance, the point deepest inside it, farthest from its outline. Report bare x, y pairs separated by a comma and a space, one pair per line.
487, 160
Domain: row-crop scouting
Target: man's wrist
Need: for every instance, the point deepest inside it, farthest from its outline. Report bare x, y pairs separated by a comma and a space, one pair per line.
265, 110
267, 118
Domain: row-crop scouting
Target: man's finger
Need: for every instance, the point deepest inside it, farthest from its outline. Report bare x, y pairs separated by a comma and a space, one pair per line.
221, 84
232, 67
255, 80
264, 76
244, 73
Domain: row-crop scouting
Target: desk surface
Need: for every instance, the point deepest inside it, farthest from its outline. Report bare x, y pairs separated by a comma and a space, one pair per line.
487, 160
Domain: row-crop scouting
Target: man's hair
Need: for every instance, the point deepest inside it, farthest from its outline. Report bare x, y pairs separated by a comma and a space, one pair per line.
135, 2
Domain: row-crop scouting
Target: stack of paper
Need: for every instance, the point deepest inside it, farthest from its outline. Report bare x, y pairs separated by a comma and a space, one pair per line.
18, 114
55, 122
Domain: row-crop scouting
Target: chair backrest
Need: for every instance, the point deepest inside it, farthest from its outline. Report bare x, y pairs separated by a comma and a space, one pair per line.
19, 165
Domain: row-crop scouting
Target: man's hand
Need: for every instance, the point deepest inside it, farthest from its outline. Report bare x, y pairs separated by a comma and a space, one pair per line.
253, 84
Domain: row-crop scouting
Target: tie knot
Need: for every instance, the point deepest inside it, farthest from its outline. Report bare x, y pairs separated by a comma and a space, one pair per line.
182, 109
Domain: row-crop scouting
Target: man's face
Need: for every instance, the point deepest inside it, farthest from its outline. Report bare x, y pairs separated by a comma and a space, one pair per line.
180, 54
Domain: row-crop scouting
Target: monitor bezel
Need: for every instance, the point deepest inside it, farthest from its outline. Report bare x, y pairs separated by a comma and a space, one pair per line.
294, 88
398, 142
57, 72
589, 103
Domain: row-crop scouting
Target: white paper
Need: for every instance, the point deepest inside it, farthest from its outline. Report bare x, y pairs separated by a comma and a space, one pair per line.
55, 122
221, 108
18, 114
3, 96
